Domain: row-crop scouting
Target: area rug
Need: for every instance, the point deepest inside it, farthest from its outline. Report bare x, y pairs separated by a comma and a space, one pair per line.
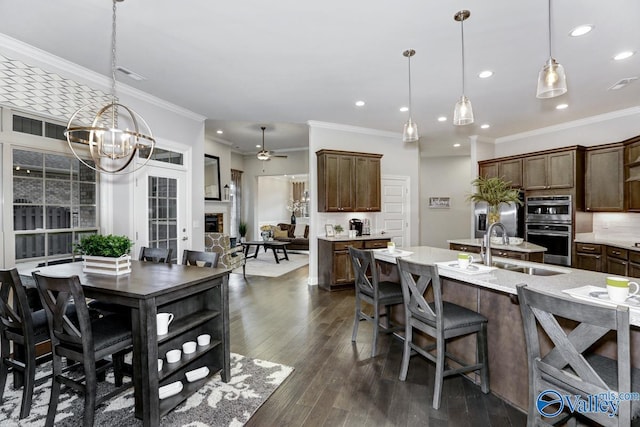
265, 264
215, 404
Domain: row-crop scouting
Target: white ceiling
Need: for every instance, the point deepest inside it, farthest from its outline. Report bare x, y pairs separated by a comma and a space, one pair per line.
246, 63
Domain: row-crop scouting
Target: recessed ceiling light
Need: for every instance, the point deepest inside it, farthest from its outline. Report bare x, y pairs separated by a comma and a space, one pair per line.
359, 103
404, 109
219, 132
258, 145
581, 30
485, 126
561, 106
623, 55
485, 74
456, 145
442, 119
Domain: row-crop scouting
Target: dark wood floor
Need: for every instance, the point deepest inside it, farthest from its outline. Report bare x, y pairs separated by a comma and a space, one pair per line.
335, 382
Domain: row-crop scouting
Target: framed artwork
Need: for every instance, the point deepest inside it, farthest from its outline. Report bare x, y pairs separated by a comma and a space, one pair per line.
328, 228
439, 202
211, 177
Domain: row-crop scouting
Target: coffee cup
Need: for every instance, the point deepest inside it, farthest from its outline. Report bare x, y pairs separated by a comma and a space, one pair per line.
160, 362
163, 321
618, 288
189, 347
204, 339
464, 260
173, 356
391, 247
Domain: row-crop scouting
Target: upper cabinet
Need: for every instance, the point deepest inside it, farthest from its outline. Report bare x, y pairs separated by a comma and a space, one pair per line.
604, 189
550, 171
510, 170
632, 174
348, 181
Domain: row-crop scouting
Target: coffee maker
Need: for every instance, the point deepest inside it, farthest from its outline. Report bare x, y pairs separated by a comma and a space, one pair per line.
356, 224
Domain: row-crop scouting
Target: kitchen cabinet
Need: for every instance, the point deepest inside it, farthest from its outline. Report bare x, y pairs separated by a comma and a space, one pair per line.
348, 181
488, 169
509, 169
617, 261
632, 174
604, 180
589, 257
335, 271
550, 171
634, 264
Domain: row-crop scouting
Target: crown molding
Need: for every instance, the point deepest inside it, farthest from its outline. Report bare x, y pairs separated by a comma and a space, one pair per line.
25, 52
353, 129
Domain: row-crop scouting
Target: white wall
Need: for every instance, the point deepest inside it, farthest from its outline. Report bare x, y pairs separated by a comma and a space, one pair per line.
398, 159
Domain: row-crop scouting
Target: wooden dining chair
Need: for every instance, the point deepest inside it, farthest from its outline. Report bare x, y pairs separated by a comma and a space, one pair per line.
157, 255
441, 320
377, 293
84, 341
24, 323
568, 366
208, 259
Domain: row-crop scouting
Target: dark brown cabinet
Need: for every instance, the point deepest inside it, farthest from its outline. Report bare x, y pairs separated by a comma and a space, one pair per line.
617, 261
604, 189
589, 257
632, 174
348, 181
550, 171
634, 264
510, 170
488, 169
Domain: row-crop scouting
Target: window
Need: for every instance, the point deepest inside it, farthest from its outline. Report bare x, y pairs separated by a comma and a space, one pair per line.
162, 155
54, 205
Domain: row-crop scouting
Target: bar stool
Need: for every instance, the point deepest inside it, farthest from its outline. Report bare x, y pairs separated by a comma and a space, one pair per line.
441, 320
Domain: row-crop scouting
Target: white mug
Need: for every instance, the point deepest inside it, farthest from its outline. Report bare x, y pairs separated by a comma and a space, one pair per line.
173, 356
189, 347
464, 260
391, 247
204, 339
163, 321
618, 288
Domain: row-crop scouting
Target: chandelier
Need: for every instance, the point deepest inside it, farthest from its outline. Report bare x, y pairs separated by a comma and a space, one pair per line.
113, 132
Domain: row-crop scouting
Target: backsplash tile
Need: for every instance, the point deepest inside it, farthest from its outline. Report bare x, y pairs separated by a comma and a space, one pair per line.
617, 226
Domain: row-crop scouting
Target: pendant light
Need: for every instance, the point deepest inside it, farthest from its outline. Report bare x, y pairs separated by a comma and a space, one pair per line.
552, 80
113, 139
463, 112
410, 133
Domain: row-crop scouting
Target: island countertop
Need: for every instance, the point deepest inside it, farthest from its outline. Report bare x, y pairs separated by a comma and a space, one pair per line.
346, 238
524, 247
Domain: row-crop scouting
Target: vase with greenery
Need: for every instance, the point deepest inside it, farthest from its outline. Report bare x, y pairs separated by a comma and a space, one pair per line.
494, 191
338, 229
242, 229
107, 246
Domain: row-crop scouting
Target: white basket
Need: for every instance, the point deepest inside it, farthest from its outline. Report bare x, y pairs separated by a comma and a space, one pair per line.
106, 265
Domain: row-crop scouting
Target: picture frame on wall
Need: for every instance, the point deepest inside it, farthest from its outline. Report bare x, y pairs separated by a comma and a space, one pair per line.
439, 202
328, 228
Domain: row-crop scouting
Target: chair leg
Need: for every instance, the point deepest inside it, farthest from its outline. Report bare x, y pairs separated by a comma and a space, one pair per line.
483, 357
406, 353
4, 369
89, 391
356, 320
118, 368
437, 391
376, 328
55, 391
29, 381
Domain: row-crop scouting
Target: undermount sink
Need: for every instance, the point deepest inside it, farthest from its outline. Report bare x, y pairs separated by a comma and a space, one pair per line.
533, 271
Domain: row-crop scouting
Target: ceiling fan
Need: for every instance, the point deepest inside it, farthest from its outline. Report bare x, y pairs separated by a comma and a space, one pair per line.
264, 154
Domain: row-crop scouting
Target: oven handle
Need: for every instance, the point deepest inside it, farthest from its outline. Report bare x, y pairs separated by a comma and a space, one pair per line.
533, 233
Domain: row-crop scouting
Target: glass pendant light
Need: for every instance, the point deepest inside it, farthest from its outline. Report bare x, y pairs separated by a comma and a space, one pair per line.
410, 133
552, 80
463, 112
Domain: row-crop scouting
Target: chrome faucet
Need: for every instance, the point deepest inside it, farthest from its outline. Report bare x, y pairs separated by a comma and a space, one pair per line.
487, 240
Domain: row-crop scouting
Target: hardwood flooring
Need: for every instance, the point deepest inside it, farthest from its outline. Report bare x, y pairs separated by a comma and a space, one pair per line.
336, 382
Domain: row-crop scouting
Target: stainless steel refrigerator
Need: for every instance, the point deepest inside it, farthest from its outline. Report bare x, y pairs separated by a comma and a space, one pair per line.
511, 216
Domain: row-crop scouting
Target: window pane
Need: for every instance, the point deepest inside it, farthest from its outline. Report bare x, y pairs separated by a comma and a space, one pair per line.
27, 163
88, 217
60, 243
58, 217
87, 194
173, 208
27, 125
57, 167
27, 217
29, 246
27, 190
87, 174
57, 192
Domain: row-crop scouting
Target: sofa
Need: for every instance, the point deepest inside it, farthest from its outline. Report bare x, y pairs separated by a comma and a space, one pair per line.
295, 243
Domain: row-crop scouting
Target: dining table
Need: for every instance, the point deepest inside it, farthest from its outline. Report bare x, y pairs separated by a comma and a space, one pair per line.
199, 301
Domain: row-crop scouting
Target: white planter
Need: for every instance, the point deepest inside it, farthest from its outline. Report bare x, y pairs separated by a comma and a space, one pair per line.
106, 265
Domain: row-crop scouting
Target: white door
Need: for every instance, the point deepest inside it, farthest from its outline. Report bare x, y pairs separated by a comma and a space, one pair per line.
395, 209
161, 210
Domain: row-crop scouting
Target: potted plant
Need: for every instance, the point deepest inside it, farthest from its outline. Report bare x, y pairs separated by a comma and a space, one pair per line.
494, 191
338, 228
105, 254
242, 229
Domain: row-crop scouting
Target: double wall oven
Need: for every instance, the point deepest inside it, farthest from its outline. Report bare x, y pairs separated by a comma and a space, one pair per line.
548, 224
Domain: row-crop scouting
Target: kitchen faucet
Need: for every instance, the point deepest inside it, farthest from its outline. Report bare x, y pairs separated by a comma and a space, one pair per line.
487, 241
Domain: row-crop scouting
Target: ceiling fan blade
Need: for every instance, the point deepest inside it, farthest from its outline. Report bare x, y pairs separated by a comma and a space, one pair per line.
281, 156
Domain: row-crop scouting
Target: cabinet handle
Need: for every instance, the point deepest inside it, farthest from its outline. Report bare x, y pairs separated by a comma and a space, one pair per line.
616, 252
587, 248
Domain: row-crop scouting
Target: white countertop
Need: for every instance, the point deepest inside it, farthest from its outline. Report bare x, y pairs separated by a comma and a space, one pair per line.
505, 280
598, 240
524, 247
346, 238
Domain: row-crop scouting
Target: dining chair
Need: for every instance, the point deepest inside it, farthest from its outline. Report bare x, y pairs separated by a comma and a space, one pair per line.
84, 341
567, 366
441, 320
157, 255
377, 293
23, 323
208, 259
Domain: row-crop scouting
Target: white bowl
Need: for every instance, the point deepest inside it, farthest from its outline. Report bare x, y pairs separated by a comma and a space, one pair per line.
170, 389
197, 374
496, 240
515, 240
189, 347
204, 339
173, 356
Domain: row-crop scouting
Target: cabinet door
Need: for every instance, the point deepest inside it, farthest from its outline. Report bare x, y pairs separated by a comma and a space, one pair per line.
604, 180
632, 171
367, 184
489, 170
342, 268
345, 183
535, 173
561, 170
591, 262
511, 170
617, 266
634, 270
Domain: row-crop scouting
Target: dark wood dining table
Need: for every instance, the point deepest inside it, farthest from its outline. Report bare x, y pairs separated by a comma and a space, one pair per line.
197, 296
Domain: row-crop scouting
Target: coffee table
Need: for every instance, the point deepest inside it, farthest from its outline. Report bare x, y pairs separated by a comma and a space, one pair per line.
274, 245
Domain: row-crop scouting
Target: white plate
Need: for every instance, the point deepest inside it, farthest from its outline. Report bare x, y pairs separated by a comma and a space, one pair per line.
197, 374
471, 269
170, 389
397, 253
599, 295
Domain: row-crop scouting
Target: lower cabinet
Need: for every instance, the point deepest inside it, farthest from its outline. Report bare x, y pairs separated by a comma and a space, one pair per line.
335, 271
617, 261
589, 257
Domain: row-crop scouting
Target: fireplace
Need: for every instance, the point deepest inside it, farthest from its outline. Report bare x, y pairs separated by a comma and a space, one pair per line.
213, 222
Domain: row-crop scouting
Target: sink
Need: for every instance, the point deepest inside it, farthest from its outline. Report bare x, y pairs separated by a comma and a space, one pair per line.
533, 271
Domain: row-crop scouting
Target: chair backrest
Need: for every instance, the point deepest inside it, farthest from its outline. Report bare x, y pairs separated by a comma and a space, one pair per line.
15, 316
210, 259
365, 270
545, 313
157, 255
416, 280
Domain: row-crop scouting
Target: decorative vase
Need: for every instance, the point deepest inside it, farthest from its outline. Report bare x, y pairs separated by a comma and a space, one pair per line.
293, 218
265, 235
494, 214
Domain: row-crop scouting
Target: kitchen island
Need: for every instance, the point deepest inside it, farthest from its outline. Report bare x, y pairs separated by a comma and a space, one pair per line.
525, 251
493, 294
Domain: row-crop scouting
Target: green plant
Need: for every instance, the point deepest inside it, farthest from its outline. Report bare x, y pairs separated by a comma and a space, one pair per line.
101, 245
338, 228
242, 229
494, 191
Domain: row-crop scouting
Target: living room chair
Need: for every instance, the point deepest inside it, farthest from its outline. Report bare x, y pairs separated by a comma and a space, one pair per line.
228, 257
157, 255
441, 320
373, 291
207, 259
568, 367
23, 322
83, 341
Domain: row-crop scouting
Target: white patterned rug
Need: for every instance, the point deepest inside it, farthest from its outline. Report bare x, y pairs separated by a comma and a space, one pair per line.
265, 264
215, 404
